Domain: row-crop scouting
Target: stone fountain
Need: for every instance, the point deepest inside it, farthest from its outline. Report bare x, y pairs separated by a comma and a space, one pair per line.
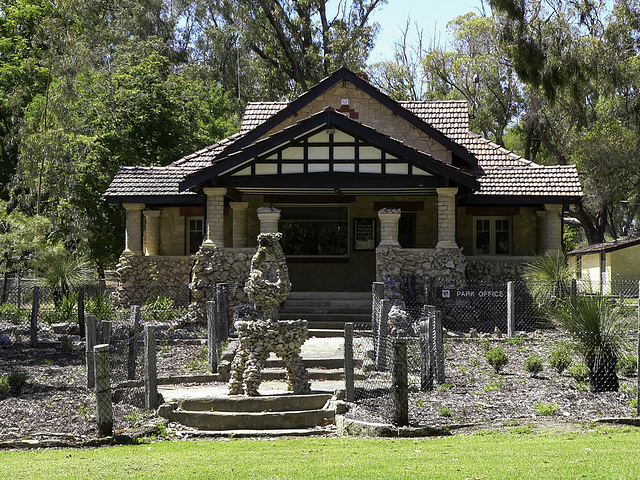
267, 287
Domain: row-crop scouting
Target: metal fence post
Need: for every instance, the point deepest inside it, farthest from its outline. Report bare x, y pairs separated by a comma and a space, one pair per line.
90, 342
511, 310
222, 311
348, 362
377, 294
399, 382
103, 390
426, 376
134, 326
150, 368
34, 316
381, 336
212, 337
438, 339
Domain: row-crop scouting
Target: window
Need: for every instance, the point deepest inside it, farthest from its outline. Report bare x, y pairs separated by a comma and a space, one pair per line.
195, 233
492, 235
314, 230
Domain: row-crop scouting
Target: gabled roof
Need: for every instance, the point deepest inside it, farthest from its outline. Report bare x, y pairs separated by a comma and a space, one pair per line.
326, 119
622, 242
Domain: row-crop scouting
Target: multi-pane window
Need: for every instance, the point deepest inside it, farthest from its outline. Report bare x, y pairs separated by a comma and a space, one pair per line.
195, 233
492, 235
314, 230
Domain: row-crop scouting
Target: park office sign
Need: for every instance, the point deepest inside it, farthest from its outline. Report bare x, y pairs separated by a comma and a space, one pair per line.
453, 294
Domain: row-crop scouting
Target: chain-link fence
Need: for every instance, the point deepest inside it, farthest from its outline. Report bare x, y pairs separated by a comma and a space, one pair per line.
572, 354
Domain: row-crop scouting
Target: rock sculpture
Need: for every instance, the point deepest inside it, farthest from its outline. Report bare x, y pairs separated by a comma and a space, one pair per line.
268, 286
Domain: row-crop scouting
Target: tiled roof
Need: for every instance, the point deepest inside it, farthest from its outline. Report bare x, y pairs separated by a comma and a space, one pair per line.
203, 158
258, 112
607, 246
543, 181
450, 117
147, 182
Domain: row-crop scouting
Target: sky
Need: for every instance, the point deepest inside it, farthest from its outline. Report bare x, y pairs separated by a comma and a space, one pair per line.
431, 16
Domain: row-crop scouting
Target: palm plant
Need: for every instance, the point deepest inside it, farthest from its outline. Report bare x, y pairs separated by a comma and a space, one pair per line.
63, 271
599, 330
549, 277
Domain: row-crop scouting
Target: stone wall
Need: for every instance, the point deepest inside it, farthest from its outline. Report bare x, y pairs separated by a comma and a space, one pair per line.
495, 269
143, 277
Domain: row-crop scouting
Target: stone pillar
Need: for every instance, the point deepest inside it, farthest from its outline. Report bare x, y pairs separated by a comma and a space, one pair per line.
553, 228
540, 228
214, 229
268, 219
152, 232
389, 218
239, 223
447, 217
133, 231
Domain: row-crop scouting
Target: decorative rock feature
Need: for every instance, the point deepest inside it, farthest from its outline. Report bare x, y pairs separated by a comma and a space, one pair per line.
267, 287
496, 269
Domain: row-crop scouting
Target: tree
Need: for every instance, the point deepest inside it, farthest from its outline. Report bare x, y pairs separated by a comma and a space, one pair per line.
21, 237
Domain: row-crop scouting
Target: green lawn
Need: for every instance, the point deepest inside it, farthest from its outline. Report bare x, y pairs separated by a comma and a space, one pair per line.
599, 454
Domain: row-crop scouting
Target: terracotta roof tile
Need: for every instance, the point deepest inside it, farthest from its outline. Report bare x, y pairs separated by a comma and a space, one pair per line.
536, 180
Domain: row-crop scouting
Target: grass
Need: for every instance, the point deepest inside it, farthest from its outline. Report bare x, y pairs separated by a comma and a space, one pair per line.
598, 454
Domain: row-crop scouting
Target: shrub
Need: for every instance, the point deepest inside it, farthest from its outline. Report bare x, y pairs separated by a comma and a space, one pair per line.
579, 371
533, 365
599, 330
100, 306
14, 314
4, 386
162, 309
627, 365
444, 411
497, 358
16, 381
560, 359
546, 408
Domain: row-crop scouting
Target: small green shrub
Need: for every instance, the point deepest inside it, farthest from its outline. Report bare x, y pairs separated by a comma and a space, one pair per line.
444, 411
100, 306
560, 358
533, 365
627, 365
446, 386
16, 381
517, 341
485, 343
4, 386
497, 358
12, 313
162, 309
546, 408
579, 372
490, 387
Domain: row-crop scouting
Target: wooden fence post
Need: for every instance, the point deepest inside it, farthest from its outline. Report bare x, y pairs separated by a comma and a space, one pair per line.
348, 362
400, 382
511, 310
34, 316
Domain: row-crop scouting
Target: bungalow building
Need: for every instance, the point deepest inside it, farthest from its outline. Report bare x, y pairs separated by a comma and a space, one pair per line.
362, 187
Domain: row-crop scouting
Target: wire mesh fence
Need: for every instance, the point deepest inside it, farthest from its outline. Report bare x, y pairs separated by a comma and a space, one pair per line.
572, 354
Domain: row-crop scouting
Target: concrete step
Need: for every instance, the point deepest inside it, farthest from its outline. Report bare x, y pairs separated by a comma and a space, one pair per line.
324, 310
327, 317
330, 295
314, 374
251, 420
274, 433
315, 303
326, 333
339, 325
309, 363
239, 403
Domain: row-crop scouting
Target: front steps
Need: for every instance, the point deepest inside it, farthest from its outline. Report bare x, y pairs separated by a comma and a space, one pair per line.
239, 413
327, 312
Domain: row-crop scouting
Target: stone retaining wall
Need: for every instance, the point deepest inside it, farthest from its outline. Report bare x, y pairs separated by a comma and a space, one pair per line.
396, 264
143, 277
496, 269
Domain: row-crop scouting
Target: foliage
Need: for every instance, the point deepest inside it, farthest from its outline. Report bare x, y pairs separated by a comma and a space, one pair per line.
533, 365
579, 371
444, 411
560, 358
4, 386
21, 236
100, 306
497, 358
16, 381
546, 408
160, 309
63, 271
627, 365
15, 314
549, 277
599, 330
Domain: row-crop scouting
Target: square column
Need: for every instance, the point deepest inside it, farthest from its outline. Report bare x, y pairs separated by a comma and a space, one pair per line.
152, 232
540, 227
239, 223
553, 228
133, 228
389, 218
214, 228
269, 217
447, 217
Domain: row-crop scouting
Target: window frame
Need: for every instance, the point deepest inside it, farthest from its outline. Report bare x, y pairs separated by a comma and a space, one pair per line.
283, 206
188, 232
492, 234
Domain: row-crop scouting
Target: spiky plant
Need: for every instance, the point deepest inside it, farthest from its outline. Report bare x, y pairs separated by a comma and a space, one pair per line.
63, 271
599, 330
549, 277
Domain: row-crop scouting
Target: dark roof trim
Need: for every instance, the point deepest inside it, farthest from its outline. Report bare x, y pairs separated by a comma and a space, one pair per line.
607, 246
193, 199
330, 118
343, 74
518, 200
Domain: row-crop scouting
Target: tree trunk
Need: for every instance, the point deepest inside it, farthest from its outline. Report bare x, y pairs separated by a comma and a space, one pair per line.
603, 375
